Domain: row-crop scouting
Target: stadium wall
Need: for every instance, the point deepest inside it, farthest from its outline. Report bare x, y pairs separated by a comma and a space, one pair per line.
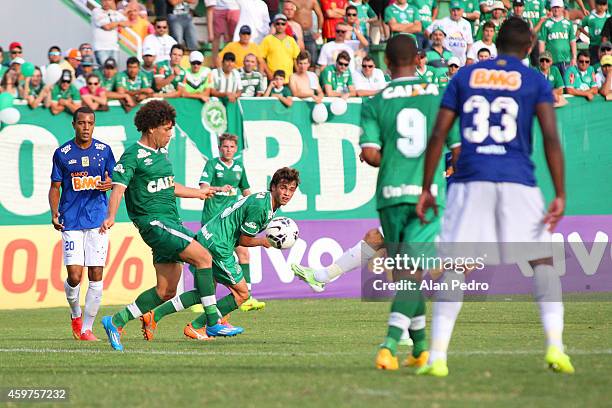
334, 205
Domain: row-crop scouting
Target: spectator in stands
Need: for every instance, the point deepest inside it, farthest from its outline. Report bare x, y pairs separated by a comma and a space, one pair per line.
580, 79
72, 61
293, 28
428, 11
10, 82
226, 79
93, 95
198, 79
34, 91
472, 13
255, 15
488, 33
181, 23
125, 5
497, 18
139, 24
403, 19
133, 82
15, 50
106, 22
445, 75
369, 80
64, 95
277, 89
557, 36
425, 73
225, 19
108, 81
604, 49
86, 68
304, 16
552, 74
54, 56
606, 31
595, 22
148, 64
241, 48
279, 50
160, 42
16, 64
170, 74
253, 82
458, 32
305, 83
86, 50
337, 79
331, 49
354, 36
604, 78
453, 66
437, 55
334, 12
483, 54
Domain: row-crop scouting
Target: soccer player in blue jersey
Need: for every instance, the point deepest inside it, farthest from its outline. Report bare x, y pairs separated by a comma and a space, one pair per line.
79, 180
494, 197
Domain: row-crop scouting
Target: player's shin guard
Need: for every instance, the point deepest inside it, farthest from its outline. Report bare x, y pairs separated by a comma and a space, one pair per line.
446, 306
72, 296
147, 300
176, 304
548, 294
205, 285
227, 305
92, 304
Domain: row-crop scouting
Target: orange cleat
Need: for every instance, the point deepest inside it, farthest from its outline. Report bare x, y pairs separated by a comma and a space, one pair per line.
418, 362
196, 334
77, 325
88, 336
148, 325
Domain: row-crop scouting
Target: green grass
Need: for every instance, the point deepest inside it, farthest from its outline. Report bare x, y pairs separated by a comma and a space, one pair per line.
312, 353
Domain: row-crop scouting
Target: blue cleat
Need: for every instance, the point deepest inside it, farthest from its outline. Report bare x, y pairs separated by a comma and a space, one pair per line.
114, 337
222, 330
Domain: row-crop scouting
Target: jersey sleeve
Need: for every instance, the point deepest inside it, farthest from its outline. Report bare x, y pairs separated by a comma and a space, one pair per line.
110, 161
121, 81
371, 135
450, 100
56, 170
263, 85
454, 136
326, 77
558, 81
254, 221
243, 184
572, 34
74, 93
207, 173
124, 170
543, 32
388, 15
369, 11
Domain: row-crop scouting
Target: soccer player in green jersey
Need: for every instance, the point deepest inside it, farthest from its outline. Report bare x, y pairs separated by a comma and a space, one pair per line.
237, 224
146, 178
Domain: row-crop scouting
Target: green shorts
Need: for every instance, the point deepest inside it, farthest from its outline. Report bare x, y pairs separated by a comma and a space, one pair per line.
167, 239
404, 233
226, 270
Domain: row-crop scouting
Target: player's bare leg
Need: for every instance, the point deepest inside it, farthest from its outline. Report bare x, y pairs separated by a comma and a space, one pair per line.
244, 260
72, 288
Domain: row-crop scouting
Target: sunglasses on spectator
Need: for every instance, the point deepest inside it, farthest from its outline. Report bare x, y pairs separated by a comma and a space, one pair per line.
92, 83
545, 60
342, 64
367, 66
583, 61
280, 23
196, 63
63, 81
161, 26
351, 15
606, 49
54, 54
341, 31
87, 48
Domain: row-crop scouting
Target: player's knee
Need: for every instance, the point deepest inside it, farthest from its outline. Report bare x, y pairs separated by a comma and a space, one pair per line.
167, 293
374, 239
243, 255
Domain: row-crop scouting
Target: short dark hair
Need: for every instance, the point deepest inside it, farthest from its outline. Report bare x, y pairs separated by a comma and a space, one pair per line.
304, 55
228, 136
86, 110
54, 47
368, 58
351, 7
285, 174
160, 19
483, 50
279, 72
229, 56
343, 55
401, 50
92, 75
177, 46
583, 53
514, 36
132, 60
154, 114
488, 24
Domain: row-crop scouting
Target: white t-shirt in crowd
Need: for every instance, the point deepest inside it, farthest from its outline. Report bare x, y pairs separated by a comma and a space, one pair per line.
458, 36
230, 83
375, 82
479, 45
227, 5
161, 44
253, 13
330, 51
105, 39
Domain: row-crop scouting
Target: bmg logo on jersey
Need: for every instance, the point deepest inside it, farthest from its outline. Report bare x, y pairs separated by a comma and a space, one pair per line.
83, 181
495, 79
160, 184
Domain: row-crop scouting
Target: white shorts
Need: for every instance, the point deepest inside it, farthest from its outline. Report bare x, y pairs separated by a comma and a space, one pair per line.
85, 247
510, 215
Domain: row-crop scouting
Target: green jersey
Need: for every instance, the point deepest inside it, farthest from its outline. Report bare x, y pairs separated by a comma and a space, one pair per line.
196, 82
165, 70
425, 8
284, 91
489, 4
150, 75
558, 35
249, 216
70, 93
437, 60
442, 78
364, 13
338, 81
399, 124
481, 29
534, 11
581, 80
595, 24
140, 82
148, 175
554, 77
110, 84
408, 14
428, 75
35, 90
218, 174
470, 6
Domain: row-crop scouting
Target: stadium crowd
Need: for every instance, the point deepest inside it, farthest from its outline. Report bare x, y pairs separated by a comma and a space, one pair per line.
303, 48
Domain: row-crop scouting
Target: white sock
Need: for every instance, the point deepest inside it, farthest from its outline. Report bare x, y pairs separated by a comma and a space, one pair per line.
176, 302
547, 292
72, 296
445, 310
92, 304
348, 261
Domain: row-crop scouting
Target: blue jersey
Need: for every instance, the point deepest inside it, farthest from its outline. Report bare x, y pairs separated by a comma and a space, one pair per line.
496, 101
81, 205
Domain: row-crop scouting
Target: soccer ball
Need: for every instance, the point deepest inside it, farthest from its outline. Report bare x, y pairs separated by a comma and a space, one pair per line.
282, 232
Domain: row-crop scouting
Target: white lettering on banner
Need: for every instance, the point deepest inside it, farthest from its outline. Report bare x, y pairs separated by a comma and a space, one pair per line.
323, 246
194, 163
114, 136
261, 167
329, 138
282, 265
11, 190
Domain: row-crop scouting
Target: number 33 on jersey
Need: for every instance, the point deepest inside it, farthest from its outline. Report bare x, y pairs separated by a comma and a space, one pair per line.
398, 121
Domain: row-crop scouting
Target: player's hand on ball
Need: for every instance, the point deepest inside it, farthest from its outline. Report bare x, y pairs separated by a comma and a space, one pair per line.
555, 213
426, 201
56, 223
106, 225
106, 184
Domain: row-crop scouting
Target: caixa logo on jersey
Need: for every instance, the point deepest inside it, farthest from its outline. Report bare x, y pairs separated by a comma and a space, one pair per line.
82, 181
160, 184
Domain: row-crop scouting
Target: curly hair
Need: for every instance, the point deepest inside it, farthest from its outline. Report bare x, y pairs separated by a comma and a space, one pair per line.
286, 175
154, 114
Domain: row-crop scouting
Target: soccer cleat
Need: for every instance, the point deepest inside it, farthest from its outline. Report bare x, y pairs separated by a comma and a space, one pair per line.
385, 360
437, 369
88, 336
114, 337
223, 330
417, 362
77, 325
558, 361
307, 275
252, 304
196, 334
148, 325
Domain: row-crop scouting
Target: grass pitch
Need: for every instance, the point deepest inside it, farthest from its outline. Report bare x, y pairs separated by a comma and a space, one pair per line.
311, 353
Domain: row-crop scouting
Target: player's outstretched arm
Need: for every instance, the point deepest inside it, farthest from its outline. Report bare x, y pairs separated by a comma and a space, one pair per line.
113, 207
247, 241
187, 192
554, 158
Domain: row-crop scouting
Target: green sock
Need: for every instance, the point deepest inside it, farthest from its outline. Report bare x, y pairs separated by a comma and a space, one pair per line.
246, 271
406, 303
419, 336
187, 299
205, 285
394, 334
147, 300
199, 321
227, 305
